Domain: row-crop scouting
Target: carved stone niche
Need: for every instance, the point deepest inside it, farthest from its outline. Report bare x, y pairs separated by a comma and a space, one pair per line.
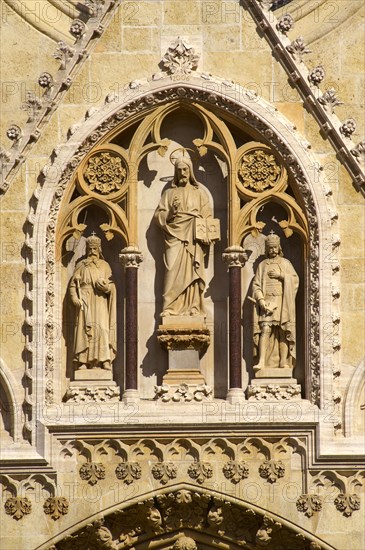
275, 234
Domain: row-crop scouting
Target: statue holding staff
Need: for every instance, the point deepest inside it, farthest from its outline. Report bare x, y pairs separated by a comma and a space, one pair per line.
92, 292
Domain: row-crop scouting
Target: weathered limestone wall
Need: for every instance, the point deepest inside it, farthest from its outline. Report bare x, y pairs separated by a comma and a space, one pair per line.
130, 49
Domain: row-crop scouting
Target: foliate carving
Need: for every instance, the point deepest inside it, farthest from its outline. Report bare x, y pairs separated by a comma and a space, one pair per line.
359, 151
329, 100
164, 471
131, 257
14, 132
105, 173
272, 470
92, 472
185, 543
200, 471
281, 392
235, 471
308, 504
183, 509
63, 53
234, 256
85, 394
180, 59
258, 171
45, 81
32, 105
183, 393
347, 503
18, 507
285, 23
77, 29
94, 535
348, 127
266, 531
316, 76
181, 338
128, 472
298, 48
95, 7
56, 507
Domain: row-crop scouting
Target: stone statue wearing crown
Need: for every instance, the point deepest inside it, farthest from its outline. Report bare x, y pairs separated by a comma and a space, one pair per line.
185, 216
274, 289
92, 292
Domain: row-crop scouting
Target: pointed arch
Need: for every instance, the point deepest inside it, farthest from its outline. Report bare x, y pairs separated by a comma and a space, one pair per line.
162, 516
263, 124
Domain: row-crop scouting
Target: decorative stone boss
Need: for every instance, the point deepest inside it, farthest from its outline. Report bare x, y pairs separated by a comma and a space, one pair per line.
274, 289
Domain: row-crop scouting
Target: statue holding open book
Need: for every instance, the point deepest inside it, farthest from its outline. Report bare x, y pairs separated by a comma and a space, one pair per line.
185, 216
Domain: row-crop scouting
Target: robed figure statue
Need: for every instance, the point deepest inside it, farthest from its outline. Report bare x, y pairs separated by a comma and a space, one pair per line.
185, 216
274, 289
92, 292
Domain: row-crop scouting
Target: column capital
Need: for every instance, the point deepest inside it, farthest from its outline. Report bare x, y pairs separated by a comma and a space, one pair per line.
131, 256
235, 256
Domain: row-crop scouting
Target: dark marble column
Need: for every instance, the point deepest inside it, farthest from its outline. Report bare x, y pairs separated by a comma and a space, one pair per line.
235, 258
130, 258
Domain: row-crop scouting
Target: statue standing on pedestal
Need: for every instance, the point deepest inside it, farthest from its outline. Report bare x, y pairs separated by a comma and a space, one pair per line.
274, 289
185, 216
92, 292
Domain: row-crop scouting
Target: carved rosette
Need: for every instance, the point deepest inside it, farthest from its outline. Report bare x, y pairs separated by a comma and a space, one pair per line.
183, 393
164, 471
272, 470
105, 173
347, 503
235, 471
259, 171
200, 471
92, 472
128, 472
308, 504
56, 507
18, 507
184, 338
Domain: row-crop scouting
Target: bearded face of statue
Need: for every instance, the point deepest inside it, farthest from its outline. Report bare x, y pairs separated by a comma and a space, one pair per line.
93, 251
182, 173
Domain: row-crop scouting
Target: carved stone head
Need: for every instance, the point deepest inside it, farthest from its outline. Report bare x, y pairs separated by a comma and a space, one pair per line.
181, 163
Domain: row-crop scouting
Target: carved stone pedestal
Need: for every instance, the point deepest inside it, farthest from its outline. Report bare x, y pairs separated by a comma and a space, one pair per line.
185, 339
92, 390
274, 389
93, 374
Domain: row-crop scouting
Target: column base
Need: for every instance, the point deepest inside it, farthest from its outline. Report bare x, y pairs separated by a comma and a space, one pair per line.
130, 396
235, 395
